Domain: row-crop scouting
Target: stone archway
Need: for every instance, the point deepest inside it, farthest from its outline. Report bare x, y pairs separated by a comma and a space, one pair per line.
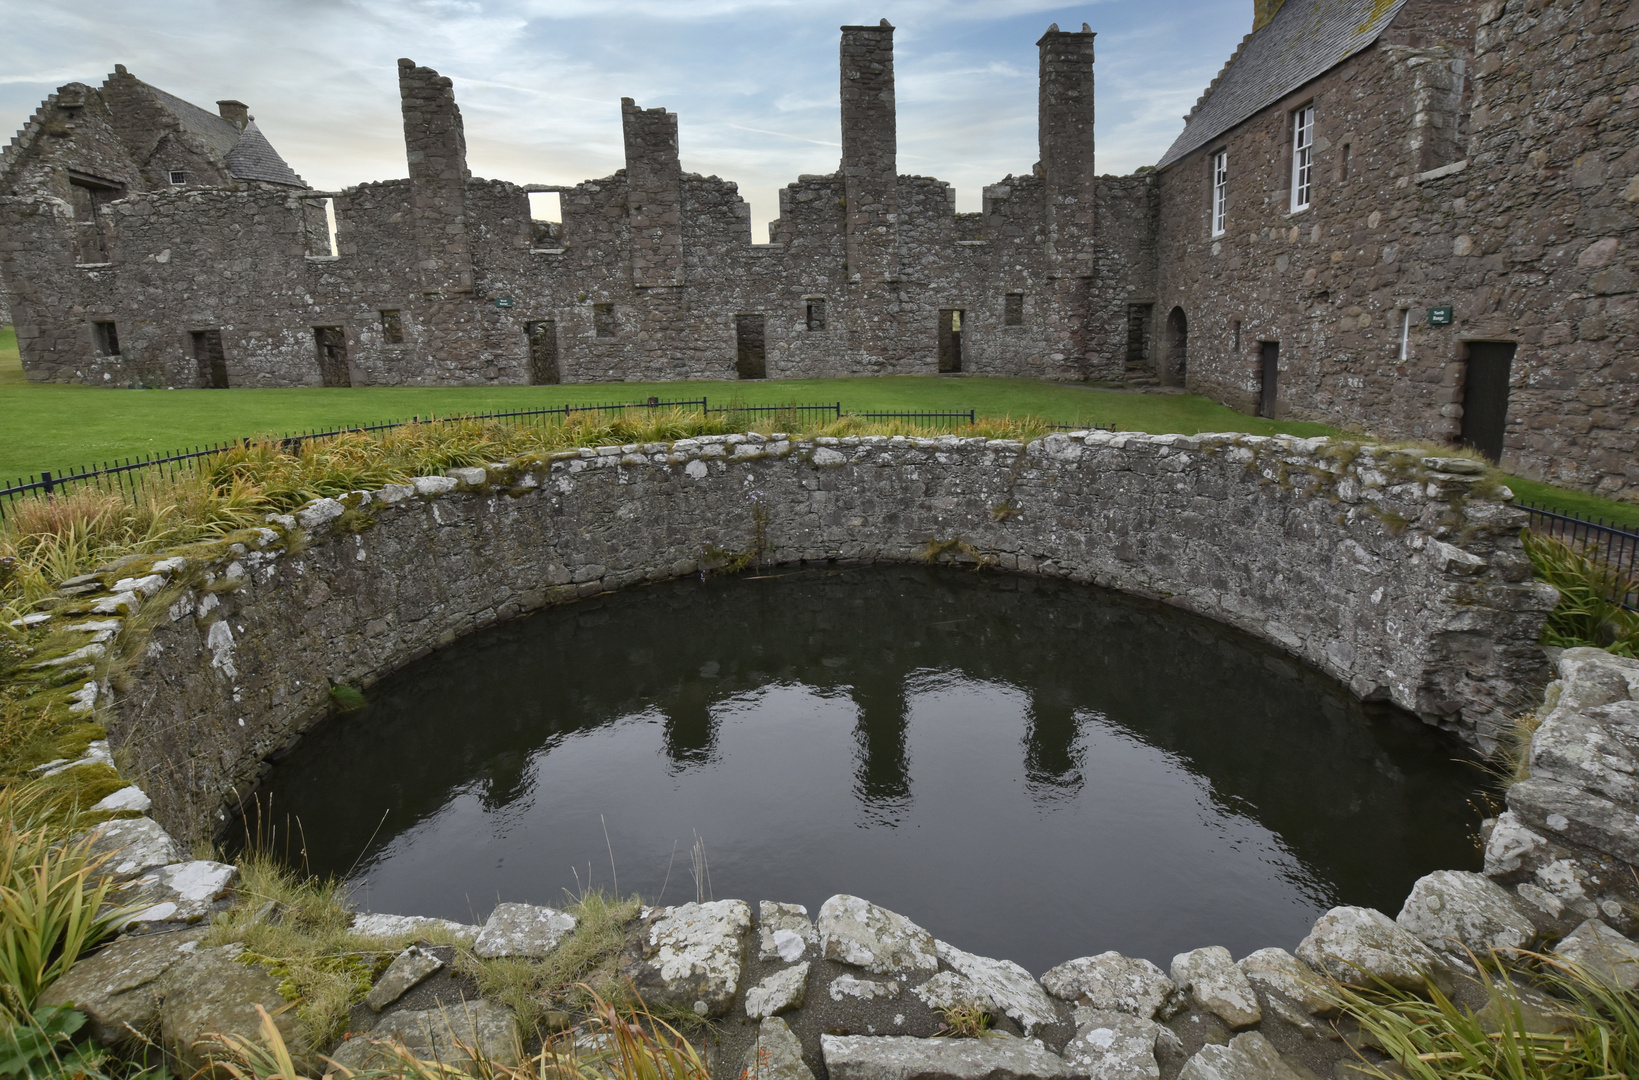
1177, 364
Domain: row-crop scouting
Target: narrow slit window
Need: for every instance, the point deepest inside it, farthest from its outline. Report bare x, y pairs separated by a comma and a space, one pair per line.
1303, 155
1343, 161
1220, 190
1013, 310
816, 314
1235, 331
107, 338
392, 327
603, 320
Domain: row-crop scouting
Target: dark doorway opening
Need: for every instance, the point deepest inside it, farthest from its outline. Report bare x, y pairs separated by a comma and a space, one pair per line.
950, 340
750, 358
332, 345
213, 365
88, 196
1485, 397
1177, 348
107, 338
1269, 361
543, 352
1138, 339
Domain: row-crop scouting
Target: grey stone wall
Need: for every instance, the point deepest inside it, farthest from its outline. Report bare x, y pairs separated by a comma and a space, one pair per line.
1478, 156
1399, 578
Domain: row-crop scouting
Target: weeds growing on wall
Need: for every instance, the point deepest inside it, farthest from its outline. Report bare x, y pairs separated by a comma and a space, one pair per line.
579, 973
1588, 614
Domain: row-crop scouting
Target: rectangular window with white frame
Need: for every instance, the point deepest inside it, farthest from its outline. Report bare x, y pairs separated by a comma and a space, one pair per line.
1303, 157
1220, 190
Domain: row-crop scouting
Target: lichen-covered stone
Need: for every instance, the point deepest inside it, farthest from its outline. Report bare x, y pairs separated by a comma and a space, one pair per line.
1276, 971
1356, 945
1113, 1046
523, 930
406, 971
1217, 985
134, 845
1249, 1056
389, 927
784, 931
780, 992
1456, 910
117, 986
1110, 981
691, 955
904, 1057
178, 892
858, 932
844, 987
449, 1034
211, 993
1514, 852
1010, 987
776, 1055
1603, 953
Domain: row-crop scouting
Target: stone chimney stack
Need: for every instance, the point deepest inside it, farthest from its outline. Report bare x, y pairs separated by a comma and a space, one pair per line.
436, 146
1262, 12
236, 113
870, 170
654, 195
1065, 131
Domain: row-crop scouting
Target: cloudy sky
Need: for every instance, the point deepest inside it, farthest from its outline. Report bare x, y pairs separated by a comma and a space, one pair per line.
540, 81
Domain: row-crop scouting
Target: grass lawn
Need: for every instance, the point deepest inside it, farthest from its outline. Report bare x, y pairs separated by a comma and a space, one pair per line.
51, 426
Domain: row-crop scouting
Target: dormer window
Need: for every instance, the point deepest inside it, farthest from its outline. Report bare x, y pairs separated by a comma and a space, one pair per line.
178, 176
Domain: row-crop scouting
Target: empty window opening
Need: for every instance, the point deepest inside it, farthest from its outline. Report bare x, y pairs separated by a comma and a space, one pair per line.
603, 320
545, 219
1343, 154
392, 327
1220, 190
1177, 368
319, 222
750, 358
1013, 310
213, 364
1138, 338
1269, 364
332, 346
1303, 155
543, 352
88, 197
1485, 397
950, 340
177, 176
816, 314
107, 338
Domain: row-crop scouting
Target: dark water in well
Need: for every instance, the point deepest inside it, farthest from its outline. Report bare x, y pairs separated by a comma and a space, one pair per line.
1030, 769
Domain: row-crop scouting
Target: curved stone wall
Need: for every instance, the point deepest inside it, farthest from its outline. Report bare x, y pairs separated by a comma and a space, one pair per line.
1399, 575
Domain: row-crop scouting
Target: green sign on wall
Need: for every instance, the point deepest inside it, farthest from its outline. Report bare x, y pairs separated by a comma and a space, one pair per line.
1439, 316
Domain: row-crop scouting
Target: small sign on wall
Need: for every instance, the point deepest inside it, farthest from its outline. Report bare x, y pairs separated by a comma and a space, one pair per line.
1439, 316
505, 302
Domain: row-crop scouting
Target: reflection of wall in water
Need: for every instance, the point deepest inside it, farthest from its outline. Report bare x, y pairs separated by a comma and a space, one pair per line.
1279, 743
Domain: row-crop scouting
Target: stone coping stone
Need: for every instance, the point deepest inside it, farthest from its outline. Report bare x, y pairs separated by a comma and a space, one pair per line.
523, 930
690, 956
858, 932
905, 1057
448, 1034
372, 924
1113, 982
115, 986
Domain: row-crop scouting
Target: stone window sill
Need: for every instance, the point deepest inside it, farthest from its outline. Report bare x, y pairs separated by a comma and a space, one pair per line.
324, 258
93, 266
547, 251
972, 243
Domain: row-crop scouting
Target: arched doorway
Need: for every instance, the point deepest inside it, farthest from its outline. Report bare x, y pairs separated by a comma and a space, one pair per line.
1177, 348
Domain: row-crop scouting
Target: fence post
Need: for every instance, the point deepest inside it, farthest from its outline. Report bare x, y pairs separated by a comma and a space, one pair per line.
45, 478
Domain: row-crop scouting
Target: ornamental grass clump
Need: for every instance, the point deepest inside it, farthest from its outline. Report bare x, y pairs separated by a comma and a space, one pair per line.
1589, 612
1582, 1028
53, 897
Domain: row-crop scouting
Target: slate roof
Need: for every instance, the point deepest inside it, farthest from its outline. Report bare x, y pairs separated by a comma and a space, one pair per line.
1305, 39
247, 154
253, 158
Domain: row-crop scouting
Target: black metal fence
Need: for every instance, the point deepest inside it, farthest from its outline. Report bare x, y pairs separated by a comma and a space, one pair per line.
126, 476
1602, 541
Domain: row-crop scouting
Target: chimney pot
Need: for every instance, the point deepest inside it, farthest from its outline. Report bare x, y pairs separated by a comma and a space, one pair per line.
236, 113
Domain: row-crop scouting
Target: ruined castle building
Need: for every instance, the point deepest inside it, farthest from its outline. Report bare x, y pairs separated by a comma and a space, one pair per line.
1411, 217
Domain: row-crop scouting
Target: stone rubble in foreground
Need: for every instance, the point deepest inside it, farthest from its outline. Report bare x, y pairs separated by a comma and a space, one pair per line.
857, 992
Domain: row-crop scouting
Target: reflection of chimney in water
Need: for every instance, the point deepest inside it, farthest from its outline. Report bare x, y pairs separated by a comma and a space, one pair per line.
236, 113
